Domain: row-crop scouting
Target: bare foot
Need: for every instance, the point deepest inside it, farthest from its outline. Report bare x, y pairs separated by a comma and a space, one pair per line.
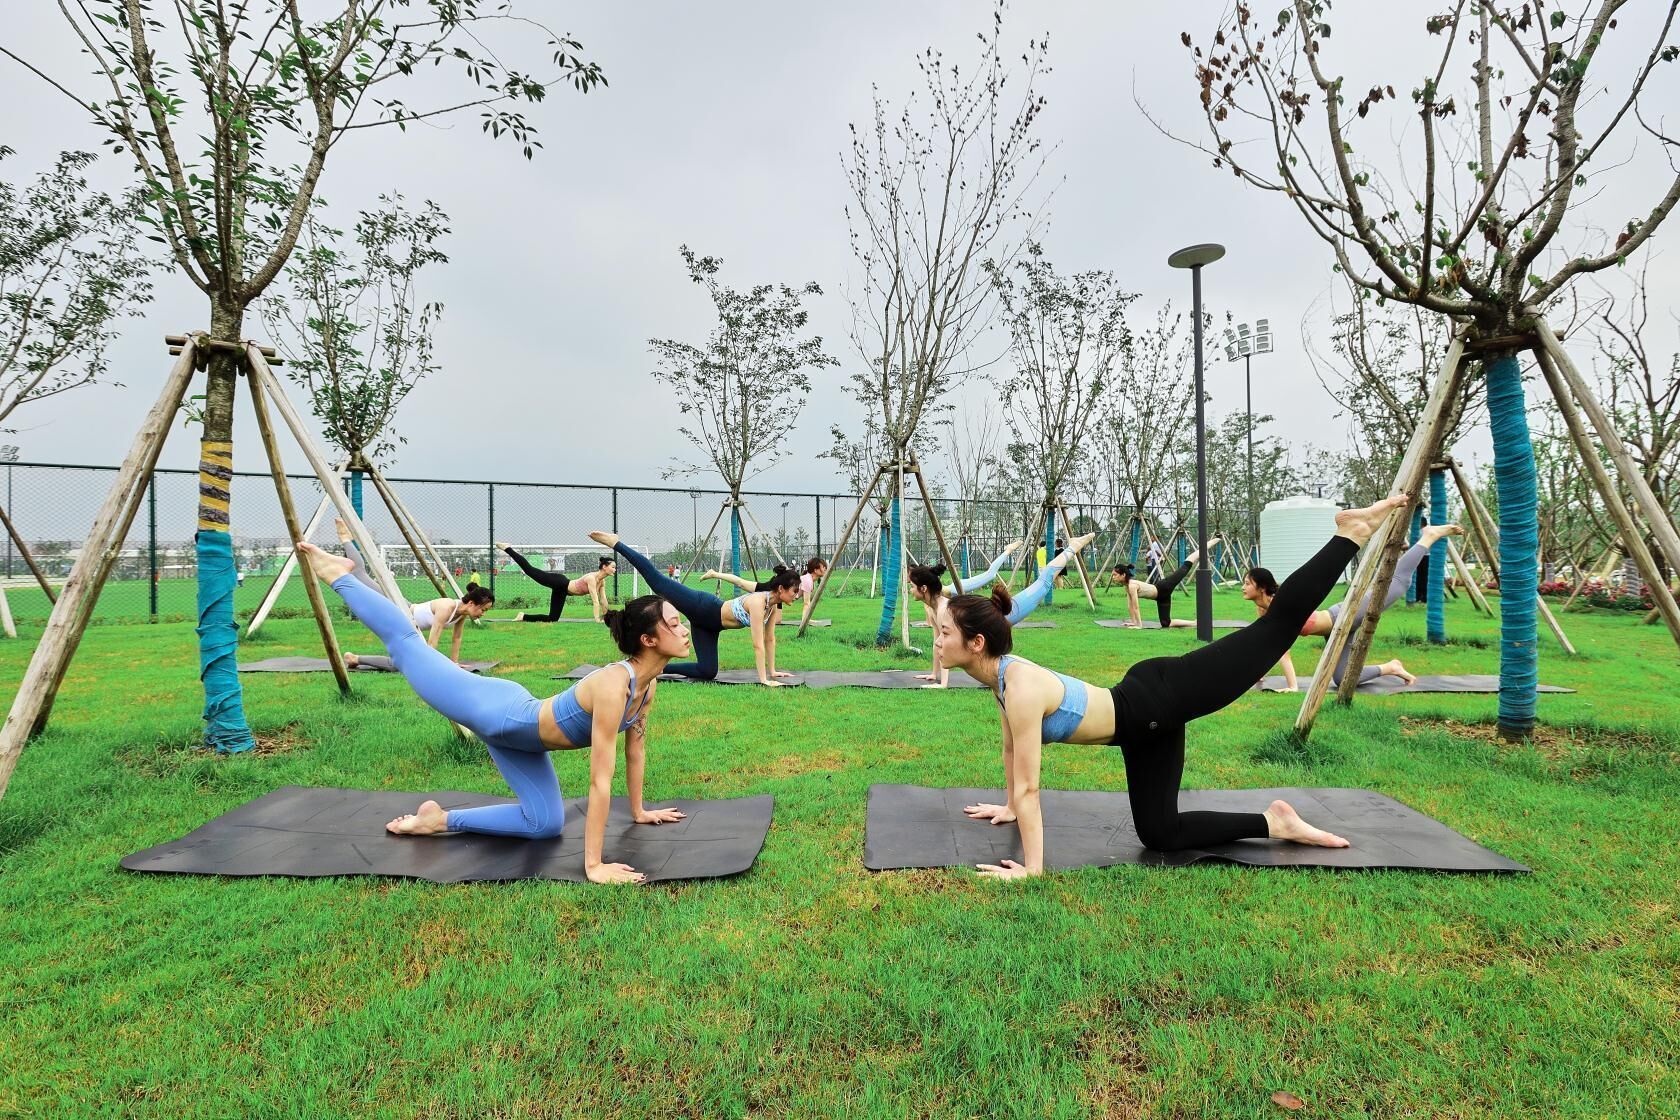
351, 661
608, 540
343, 530
1395, 669
710, 574
1013, 546
1357, 525
504, 545
1078, 543
1433, 533
428, 820
1284, 823
519, 617
324, 564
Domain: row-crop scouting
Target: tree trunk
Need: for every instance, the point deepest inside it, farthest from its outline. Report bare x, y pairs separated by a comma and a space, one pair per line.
1437, 618
892, 570
1519, 545
356, 497
218, 637
1411, 539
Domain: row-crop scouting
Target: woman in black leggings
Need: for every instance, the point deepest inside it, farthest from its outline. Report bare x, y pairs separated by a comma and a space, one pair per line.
561, 585
1160, 590
1146, 713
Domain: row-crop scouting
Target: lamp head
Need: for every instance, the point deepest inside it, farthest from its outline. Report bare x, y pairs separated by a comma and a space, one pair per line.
1195, 256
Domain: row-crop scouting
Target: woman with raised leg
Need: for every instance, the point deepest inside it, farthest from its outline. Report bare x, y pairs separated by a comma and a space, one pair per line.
708, 616
928, 589
519, 730
1405, 568
561, 585
430, 617
1160, 590
1145, 715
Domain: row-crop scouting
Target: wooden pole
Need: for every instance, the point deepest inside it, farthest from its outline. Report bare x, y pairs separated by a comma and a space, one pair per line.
6, 622
1382, 551
312, 587
1481, 523
1470, 584
23, 550
1581, 584
272, 596
346, 512
767, 538
392, 498
1660, 520
443, 589
32, 706
839, 547
1661, 596
903, 559
1078, 557
938, 530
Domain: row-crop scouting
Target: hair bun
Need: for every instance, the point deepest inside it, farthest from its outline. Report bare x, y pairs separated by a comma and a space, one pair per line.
471, 587
940, 569
779, 569
1001, 598
613, 620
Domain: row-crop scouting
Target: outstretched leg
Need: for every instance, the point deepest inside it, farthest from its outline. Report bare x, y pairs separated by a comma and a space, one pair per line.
1404, 569
354, 554
702, 607
984, 580
1032, 596
478, 703
1159, 696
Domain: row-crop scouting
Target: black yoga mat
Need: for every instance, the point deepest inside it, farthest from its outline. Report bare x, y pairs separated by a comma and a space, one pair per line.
815, 678
370, 663
1152, 624
1029, 624
562, 618
1426, 682
305, 832
814, 622
914, 826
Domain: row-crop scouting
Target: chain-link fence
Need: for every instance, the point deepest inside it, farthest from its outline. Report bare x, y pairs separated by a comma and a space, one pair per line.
53, 505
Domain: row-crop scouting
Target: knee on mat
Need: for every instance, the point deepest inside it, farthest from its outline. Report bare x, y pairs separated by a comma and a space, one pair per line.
1161, 836
544, 822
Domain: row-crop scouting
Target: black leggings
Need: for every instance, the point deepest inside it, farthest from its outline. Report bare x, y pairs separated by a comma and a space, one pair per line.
1164, 592
556, 582
1159, 696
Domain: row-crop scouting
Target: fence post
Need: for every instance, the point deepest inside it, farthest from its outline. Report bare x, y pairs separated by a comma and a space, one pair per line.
151, 537
492, 566
817, 501
615, 531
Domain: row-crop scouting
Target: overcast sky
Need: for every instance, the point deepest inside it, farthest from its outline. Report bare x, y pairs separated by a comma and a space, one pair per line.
722, 127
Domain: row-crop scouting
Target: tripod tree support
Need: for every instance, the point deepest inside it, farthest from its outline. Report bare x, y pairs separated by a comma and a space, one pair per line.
28, 557
840, 547
272, 596
32, 706
312, 586
1382, 552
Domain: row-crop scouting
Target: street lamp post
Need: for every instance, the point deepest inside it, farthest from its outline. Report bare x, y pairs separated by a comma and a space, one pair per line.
784, 526
1244, 344
1193, 258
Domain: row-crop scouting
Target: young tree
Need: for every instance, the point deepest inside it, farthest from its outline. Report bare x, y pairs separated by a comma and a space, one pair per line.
229, 112
1067, 334
70, 268
1485, 217
935, 191
744, 389
971, 450
353, 329
1146, 416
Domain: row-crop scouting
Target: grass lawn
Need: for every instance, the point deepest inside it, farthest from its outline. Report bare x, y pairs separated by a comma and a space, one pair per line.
811, 987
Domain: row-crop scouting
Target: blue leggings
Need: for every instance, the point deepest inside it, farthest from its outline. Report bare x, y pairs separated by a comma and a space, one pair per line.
980, 584
501, 712
702, 609
1403, 572
1033, 594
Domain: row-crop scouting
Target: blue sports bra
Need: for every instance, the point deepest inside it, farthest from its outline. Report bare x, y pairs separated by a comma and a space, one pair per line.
1065, 720
738, 608
577, 724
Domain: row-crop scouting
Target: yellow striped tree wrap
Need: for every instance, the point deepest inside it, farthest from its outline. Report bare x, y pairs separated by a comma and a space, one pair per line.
215, 480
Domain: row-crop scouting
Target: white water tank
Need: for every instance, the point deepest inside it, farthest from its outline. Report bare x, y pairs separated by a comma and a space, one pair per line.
1292, 530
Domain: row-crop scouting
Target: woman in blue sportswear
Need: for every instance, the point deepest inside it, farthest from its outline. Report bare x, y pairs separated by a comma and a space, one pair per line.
520, 729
